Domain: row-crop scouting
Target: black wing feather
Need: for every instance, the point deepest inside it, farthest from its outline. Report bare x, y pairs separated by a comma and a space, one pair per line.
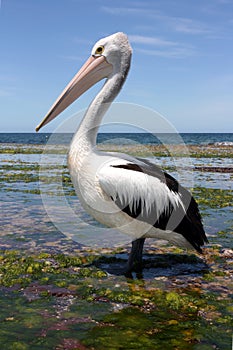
189, 223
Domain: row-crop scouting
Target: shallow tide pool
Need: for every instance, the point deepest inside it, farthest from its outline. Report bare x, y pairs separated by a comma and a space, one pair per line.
56, 293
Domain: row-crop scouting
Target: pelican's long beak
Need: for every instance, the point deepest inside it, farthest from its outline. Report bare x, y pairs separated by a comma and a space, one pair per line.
95, 69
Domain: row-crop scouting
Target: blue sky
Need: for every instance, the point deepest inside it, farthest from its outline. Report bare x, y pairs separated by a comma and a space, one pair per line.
182, 58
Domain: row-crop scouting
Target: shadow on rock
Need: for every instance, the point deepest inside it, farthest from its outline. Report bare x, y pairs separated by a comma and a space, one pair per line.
155, 265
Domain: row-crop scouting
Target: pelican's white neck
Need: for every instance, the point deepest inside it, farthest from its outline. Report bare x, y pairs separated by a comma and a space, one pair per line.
84, 139
88, 129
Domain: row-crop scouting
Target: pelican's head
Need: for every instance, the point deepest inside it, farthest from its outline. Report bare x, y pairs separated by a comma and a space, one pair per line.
109, 56
116, 50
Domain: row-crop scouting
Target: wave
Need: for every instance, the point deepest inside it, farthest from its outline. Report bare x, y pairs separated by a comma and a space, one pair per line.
223, 143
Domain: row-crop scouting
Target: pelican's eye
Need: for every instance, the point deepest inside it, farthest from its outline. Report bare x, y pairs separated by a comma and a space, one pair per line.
99, 50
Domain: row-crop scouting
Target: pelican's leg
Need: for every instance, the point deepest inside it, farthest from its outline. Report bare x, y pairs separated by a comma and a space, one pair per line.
135, 257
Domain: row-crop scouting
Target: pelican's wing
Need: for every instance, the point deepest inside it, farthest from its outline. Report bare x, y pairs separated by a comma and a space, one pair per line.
146, 193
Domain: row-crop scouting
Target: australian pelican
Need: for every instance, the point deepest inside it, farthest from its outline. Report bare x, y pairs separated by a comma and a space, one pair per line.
118, 190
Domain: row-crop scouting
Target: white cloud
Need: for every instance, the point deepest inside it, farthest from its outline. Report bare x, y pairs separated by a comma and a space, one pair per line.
177, 52
164, 48
189, 26
140, 39
127, 11
179, 24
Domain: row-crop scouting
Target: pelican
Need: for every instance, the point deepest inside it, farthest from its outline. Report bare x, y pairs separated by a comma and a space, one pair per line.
126, 193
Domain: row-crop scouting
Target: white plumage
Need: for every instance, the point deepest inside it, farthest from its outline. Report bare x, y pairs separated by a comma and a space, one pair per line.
133, 187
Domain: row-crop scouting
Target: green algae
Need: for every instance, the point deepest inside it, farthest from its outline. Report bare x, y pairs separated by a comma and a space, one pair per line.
20, 270
19, 177
155, 330
32, 150
45, 299
195, 151
213, 197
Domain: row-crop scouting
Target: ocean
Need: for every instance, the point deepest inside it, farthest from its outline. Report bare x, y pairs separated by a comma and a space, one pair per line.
123, 138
